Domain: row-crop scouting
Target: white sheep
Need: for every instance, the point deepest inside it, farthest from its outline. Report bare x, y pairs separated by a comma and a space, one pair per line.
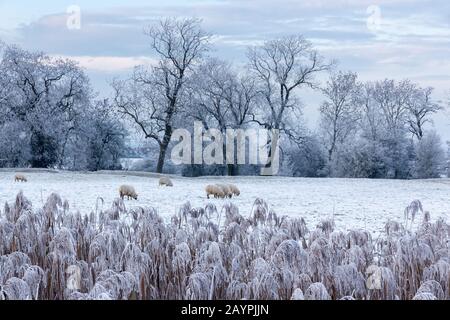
214, 190
235, 190
128, 191
226, 190
20, 178
165, 181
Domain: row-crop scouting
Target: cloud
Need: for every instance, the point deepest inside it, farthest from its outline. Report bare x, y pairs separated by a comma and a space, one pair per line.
100, 34
231, 40
411, 33
109, 64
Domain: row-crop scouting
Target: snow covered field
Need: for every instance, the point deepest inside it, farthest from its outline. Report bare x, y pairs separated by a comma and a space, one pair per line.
355, 203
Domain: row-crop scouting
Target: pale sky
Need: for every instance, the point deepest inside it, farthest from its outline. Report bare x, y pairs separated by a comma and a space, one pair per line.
376, 38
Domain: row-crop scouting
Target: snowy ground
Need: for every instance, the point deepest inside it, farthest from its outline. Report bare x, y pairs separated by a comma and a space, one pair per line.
355, 203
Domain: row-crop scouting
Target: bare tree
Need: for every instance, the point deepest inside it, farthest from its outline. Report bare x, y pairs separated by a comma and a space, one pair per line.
282, 67
371, 118
241, 96
420, 108
221, 95
179, 45
207, 94
222, 99
392, 99
339, 114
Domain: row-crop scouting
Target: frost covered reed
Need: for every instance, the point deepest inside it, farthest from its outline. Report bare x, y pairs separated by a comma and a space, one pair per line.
206, 253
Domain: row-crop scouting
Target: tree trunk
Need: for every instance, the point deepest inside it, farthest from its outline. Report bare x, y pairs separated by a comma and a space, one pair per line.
63, 149
163, 148
162, 156
330, 154
419, 130
333, 143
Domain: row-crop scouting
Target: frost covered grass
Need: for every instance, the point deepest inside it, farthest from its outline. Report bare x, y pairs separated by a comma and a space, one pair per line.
353, 203
214, 253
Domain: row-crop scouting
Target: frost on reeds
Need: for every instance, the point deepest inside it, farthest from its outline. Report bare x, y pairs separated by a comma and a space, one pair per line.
210, 253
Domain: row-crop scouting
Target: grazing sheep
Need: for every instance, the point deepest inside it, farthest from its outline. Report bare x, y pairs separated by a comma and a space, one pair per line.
226, 190
211, 190
128, 191
20, 178
220, 194
214, 190
165, 181
235, 190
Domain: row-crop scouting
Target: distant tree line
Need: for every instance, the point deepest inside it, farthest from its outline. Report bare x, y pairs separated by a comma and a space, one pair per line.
377, 129
50, 117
